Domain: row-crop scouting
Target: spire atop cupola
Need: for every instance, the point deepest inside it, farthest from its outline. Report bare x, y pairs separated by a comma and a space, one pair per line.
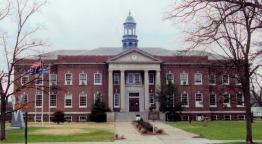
129, 37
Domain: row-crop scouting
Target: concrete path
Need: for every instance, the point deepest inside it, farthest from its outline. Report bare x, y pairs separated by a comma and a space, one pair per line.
173, 135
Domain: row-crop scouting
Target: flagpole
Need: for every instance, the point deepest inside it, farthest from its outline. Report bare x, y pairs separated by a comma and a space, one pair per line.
42, 98
49, 93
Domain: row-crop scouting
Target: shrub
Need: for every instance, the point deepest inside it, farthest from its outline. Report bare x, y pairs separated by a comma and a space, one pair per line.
58, 116
145, 125
98, 113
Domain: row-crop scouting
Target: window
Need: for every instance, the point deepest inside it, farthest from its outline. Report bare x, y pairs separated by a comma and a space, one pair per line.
227, 117
39, 79
212, 100
116, 78
24, 98
184, 78
38, 118
82, 118
38, 100
52, 101
151, 78
68, 118
226, 100
97, 78
225, 79
212, 79
198, 78
53, 79
82, 99
185, 118
169, 77
240, 100
68, 100
213, 117
68, 79
97, 95
241, 117
184, 99
134, 78
237, 80
116, 100
199, 100
82, 79
152, 98
24, 79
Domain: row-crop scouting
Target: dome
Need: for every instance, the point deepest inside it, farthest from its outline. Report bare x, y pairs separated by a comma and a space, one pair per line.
130, 19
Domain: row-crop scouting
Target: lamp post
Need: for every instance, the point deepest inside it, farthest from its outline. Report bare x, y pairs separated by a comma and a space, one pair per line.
24, 109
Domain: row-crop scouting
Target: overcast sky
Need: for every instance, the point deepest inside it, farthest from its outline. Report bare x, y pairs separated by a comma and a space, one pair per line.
89, 24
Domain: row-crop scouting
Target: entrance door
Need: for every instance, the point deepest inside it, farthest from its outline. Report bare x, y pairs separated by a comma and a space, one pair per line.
134, 104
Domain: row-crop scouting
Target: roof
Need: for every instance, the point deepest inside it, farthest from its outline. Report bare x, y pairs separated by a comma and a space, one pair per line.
112, 51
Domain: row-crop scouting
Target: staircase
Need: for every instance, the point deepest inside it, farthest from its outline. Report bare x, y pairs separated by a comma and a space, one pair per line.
126, 116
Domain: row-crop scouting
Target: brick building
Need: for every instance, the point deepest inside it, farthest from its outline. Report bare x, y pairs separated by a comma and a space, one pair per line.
127, 77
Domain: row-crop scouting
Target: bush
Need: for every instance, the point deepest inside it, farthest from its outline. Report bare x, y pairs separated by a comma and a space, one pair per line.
145, 125
98, 113
58, 116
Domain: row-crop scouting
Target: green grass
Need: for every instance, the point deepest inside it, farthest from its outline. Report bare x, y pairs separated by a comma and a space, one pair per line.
221, 130
100, 135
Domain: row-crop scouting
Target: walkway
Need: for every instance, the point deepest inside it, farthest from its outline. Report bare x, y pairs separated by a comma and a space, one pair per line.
173, 135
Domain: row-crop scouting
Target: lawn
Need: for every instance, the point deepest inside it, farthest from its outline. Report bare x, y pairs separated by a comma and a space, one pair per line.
221, 130
68, 132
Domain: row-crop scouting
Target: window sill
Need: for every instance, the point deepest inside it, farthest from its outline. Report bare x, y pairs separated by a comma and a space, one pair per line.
240, 106
212, 84
198, 83
38, 107
67, 106
52, 106
116, 106
82, 106
213, 106
186, 106
97, 83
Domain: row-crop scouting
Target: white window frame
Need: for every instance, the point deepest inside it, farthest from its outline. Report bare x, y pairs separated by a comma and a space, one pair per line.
85, 118
198, 103
214, 116
243, 99
99, 82
50, 100
184, 78
237, 81
230, 117
65, 98
241, 115
210, 100
27, 79
36, 96
51, 82
69, 82
182, 94
226, 104
83, 81
116, 78
38, 118
116, 95
209, 78
133, 77
227, 83
171, 76
196, 78
95, 94
70, 118
82, 94
152, 95
39, 77
151, 75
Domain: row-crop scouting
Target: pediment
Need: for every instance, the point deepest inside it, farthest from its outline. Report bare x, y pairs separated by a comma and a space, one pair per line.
134, 56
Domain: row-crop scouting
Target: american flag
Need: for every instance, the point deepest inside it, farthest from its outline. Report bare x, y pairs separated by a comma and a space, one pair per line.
36, 64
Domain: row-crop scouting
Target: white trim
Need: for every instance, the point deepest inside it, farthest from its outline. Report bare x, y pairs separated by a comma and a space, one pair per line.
172, 77
21, 79
228, 80
41, 100
202, 100
50, 101
226, 104
215, 100
71, 81
209, 79
198, 83
182, 82
118, 75
187, 99
152, 74
214, 116
115, 106
101, 80
82, 94
82, 82
71, 118
82, 120
230, 117
71, 95
236, 80
50, 82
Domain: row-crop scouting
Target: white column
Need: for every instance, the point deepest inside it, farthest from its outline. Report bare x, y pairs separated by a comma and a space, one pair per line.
122, 91
110, 89
146, 85
157, 85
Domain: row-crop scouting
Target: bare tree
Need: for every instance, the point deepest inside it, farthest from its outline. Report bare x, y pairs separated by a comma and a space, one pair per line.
228, 26
14, 50
256, 90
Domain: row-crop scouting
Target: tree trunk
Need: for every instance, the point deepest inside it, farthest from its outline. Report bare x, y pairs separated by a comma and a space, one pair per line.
249, 138
2, 118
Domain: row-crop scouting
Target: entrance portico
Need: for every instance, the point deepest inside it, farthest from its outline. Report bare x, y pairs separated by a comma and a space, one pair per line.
133, 65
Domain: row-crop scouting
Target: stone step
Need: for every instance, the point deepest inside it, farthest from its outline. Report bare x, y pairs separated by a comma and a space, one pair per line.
126, 116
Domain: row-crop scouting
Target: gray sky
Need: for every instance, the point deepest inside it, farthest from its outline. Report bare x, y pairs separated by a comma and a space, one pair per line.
88, 24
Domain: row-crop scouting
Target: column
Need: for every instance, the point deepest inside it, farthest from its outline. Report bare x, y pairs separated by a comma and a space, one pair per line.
122, 91
110, 89
157, 86
146, 85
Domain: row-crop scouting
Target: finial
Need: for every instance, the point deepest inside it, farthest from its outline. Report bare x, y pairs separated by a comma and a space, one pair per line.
129, 13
